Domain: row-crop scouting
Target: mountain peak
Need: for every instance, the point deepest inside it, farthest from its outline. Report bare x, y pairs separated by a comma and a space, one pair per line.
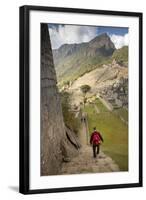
102, 39
72, 55
103, 35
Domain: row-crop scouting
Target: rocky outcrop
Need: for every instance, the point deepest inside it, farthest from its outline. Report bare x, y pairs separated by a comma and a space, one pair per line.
101, 45
55, 142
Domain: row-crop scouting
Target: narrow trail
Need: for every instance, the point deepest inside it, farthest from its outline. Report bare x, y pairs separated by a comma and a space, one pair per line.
84, 162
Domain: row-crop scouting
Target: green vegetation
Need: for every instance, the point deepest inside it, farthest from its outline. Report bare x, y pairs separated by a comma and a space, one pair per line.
114, 132
121, 55
85, 89
100, 106
69, 116
75, 66
74, 60
123, 113
71, 68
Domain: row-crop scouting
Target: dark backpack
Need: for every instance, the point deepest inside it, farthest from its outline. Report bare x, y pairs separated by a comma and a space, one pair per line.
96, 138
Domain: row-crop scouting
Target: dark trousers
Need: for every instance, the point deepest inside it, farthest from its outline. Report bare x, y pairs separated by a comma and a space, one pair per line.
95, 149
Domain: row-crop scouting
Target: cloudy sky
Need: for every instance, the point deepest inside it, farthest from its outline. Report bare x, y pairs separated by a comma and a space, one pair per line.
61, 34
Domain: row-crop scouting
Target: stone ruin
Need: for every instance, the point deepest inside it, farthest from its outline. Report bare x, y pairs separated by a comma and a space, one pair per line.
58, 143
117, 94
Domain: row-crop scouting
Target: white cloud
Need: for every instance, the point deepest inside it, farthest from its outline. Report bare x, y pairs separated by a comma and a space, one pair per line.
76, 34
120, 40
71, 34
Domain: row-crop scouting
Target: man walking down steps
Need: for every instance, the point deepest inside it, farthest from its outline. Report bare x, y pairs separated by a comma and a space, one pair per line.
95, 141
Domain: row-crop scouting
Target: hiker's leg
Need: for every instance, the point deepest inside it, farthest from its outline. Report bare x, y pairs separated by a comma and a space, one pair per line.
94, 151
98, 148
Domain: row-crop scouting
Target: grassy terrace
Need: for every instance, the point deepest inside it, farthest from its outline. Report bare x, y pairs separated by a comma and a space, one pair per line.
114, 132
100, 106
123, 113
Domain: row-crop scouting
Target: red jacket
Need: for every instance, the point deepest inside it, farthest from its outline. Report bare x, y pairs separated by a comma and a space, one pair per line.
92, 136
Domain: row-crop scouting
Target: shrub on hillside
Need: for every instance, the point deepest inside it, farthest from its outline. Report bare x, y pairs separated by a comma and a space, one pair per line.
69, 116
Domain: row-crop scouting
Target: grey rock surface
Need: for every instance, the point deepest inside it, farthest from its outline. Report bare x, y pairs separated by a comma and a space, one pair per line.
55, 145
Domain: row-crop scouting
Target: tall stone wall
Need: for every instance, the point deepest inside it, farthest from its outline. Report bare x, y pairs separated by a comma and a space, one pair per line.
55, 145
